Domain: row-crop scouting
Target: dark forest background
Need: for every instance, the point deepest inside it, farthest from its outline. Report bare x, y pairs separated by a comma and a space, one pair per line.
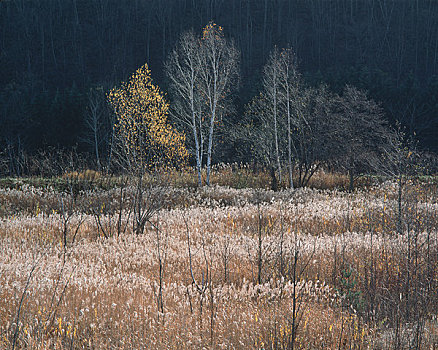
53, 51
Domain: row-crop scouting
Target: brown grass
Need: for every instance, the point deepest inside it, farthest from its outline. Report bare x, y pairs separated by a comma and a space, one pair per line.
352, 291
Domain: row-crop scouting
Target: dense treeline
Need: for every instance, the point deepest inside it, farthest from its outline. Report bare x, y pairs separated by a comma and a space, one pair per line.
53, 52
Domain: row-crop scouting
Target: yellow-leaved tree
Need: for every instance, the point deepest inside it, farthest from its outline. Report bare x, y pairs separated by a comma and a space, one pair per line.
145, 143
145, 140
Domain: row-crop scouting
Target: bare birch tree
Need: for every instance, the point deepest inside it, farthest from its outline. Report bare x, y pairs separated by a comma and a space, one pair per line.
203, 72
182, 68
271, 85
218, 77
288, 81
95, 124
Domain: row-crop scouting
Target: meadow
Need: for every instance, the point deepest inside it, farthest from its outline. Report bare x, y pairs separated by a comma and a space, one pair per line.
220, 267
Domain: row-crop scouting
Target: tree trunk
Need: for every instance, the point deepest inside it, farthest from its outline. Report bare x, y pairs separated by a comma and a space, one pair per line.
274, 182
197, 150
96, 149
289, 140
209, 151
277, 152
351, 176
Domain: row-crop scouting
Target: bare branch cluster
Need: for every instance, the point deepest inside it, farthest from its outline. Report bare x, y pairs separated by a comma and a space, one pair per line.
203, 73
303, 128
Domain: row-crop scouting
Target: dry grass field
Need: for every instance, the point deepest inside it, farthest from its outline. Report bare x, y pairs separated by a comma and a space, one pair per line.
220, 268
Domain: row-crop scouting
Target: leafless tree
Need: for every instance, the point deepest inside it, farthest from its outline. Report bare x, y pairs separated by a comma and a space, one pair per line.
96, 121
314, 136
401, 161
273, 111
257, 133
288, 81
304, 126
203, 72
365, 134
182, 68
218, 77
271, 86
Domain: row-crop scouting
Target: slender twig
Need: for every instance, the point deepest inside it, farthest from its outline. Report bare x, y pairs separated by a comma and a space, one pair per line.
17, 322
60, 298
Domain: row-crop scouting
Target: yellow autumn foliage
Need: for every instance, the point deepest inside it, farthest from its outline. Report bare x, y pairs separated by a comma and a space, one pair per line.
212, 29
141, 127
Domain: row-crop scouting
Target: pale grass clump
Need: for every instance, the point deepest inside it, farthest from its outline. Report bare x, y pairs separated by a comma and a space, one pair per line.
101, 292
